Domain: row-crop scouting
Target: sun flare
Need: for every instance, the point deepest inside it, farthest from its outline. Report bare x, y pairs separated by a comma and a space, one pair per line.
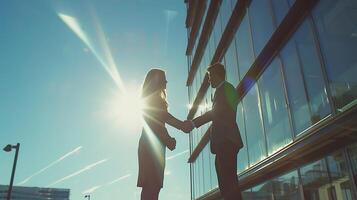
126, 109
131, 106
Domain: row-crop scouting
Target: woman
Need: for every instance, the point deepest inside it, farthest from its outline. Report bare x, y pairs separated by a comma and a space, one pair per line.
155, 138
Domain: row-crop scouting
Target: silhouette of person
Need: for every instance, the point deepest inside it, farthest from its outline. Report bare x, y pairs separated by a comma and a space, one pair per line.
224, 133
155, 138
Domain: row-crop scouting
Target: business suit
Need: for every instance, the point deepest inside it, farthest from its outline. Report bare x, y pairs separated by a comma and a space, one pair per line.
225, 138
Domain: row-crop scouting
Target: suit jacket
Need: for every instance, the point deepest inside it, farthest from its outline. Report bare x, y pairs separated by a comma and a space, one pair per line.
224, 129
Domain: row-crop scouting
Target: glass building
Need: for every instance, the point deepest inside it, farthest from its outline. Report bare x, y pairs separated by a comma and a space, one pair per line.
294, 65
30, 193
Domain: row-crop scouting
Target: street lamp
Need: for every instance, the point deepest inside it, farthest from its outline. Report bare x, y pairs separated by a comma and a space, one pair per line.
87, 196
8, 148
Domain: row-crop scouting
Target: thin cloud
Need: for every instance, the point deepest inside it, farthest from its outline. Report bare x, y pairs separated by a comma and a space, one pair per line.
51, 165
92, 189
177, 155
119, 179
86, 168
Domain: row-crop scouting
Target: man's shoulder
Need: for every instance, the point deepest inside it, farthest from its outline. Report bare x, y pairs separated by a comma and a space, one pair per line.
228, 86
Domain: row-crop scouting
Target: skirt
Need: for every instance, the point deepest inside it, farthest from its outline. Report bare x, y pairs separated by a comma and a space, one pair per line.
151, 157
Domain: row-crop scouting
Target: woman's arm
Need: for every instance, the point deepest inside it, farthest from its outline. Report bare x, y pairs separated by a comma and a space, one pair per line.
160, 131
173, 121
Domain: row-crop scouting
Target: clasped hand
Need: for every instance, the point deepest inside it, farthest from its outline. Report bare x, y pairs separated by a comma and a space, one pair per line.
187, 126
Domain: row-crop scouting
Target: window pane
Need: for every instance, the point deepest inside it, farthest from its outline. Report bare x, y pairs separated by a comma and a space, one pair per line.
315, 181
281, 8
244, 47
352, 153
311, 68
286, 187
337, 30
226, 12
262, 24
206, 169
231, 64
304, 80
217, 30
339, 176
275, 115
262, 192
294, 81
242, 159
254, 129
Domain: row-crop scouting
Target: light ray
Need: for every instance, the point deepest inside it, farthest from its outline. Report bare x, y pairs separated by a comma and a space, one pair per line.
170, 15
108, 64
51, 165
119, 179
92, 189
86, 168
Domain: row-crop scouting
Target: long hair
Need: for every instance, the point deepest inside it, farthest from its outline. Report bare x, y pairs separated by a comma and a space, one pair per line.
152, 89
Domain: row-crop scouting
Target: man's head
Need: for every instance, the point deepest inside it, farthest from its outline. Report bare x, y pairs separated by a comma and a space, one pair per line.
216, 74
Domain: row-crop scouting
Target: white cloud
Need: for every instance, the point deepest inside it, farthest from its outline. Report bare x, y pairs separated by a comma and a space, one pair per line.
76, 150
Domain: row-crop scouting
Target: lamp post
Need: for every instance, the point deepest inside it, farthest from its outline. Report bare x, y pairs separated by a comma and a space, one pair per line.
8, 148
87, 196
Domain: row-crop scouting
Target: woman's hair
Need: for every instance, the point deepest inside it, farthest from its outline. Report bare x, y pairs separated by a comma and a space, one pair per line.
152, 89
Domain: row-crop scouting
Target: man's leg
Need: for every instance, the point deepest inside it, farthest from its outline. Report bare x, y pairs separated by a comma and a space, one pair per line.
226, 167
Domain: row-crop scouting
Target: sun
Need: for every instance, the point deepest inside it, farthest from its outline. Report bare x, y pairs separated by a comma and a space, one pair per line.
124, 109
131, 106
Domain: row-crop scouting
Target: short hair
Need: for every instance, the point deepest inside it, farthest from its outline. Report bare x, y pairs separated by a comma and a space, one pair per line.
217, 68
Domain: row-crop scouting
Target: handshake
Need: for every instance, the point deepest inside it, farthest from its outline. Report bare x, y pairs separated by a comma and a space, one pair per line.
187, 126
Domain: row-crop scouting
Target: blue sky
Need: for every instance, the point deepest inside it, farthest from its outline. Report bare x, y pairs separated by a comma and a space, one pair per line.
61, 104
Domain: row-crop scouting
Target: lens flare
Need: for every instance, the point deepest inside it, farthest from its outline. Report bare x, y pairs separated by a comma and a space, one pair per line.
107, 62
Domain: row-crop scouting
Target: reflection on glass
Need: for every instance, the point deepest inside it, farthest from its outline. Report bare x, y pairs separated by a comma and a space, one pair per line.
206, 169
231, 64
311, 68
242, 160
315, 181
261, 192
244, 47
304, 80
281, 8
275, 115
262, 24
339, 176
254, 129
352, 153
286, 187
217, 30
225, 11
195, 173
299, 106
336, 25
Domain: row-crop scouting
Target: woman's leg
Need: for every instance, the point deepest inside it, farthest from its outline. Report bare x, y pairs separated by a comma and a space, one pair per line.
145, 193
156, 192
149, 193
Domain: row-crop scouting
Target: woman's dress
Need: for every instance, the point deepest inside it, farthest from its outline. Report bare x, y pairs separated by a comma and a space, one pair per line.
152, 146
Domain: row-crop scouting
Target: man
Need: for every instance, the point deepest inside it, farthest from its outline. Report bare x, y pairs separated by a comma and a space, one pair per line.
224, 133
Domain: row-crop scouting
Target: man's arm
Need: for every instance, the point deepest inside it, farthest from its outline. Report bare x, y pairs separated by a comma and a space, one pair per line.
203, 119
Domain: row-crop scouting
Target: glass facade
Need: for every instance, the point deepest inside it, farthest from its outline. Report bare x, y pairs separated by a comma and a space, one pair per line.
311, 79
